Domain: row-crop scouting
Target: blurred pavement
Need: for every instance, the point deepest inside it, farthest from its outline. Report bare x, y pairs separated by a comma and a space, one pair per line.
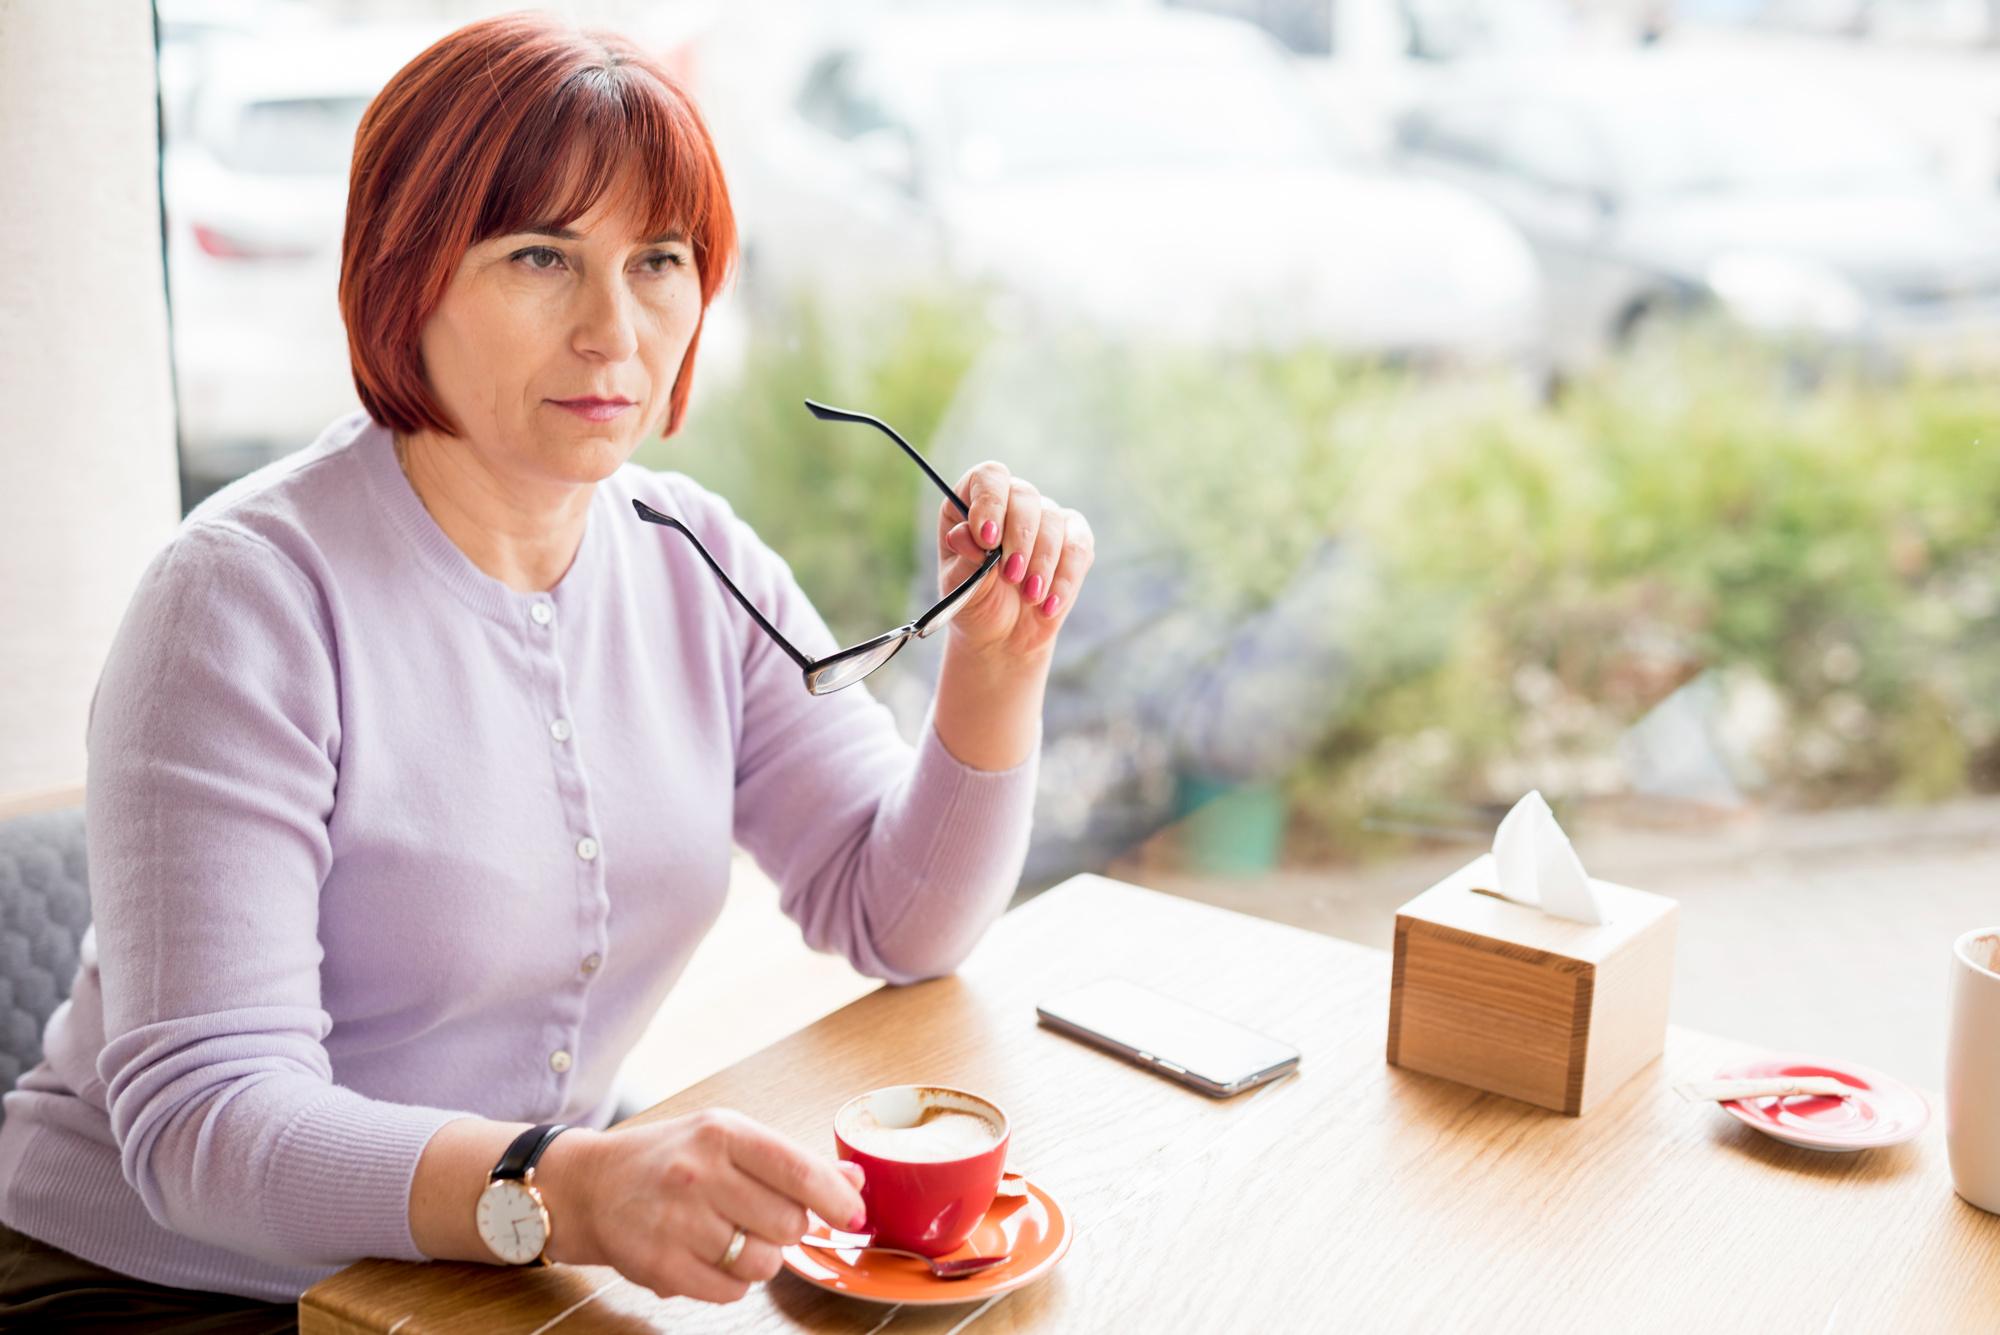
1821, 932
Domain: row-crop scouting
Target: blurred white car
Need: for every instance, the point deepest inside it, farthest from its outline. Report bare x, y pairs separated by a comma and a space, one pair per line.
256, 193
189, 30
1652, 184
1156, 171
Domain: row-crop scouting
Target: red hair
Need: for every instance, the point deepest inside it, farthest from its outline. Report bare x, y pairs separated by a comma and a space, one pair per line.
508, 124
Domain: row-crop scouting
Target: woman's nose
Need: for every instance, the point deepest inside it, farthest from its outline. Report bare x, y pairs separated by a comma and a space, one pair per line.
605, 329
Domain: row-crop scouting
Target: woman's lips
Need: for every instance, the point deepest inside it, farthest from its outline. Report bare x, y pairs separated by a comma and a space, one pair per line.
594, 409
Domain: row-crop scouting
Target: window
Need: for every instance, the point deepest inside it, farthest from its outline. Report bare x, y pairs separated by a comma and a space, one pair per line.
836, 99
305, 136
1465, 131
1547, 145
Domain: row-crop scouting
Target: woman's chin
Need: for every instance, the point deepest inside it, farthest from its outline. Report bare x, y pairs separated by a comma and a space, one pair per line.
591, 457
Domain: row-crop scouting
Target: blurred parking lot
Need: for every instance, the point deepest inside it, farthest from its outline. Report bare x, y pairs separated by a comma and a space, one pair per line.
1471, 395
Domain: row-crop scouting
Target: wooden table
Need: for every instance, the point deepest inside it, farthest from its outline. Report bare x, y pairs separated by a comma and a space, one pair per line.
1354, 1195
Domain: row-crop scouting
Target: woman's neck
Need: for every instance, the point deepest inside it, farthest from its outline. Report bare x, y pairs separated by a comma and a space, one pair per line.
524, 533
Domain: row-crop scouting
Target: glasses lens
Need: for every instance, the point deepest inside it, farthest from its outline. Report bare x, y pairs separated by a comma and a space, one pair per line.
855, 664
948, 607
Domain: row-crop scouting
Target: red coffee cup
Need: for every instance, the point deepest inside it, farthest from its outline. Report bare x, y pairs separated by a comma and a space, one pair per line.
933, 1157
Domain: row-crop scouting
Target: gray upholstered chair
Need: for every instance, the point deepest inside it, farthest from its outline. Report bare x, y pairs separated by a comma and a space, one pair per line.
44, 909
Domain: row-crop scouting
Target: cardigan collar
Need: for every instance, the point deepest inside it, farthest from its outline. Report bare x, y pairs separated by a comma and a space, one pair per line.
438, 553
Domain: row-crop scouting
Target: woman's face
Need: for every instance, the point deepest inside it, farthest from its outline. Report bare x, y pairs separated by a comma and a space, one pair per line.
555, 351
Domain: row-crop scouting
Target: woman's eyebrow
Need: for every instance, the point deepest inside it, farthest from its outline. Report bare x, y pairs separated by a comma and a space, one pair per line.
665, 237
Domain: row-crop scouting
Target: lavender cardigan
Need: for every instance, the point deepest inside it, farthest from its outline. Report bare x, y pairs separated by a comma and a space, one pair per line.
377, 843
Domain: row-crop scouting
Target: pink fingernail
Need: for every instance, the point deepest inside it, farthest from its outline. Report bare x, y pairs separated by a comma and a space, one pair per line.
1017, 564
1033, 588
859, 1222
1052, 606
989, 533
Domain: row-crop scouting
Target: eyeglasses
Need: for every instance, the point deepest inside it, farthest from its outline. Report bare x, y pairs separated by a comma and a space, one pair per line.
826, 675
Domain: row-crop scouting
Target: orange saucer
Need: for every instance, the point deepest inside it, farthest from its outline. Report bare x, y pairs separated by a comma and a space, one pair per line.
1024, 1221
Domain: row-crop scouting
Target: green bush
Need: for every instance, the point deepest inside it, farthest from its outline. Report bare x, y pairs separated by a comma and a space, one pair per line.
1548, 573
1836, 539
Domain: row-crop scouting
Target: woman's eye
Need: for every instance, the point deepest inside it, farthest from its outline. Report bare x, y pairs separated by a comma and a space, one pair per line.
539, 257
660, 261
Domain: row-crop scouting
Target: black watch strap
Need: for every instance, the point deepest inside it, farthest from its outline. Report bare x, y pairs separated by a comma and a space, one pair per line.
525, 1150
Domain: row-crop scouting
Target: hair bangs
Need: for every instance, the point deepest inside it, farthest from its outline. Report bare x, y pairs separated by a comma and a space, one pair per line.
611, 134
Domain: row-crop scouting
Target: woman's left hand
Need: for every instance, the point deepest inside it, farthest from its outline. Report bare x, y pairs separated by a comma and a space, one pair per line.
1047, 551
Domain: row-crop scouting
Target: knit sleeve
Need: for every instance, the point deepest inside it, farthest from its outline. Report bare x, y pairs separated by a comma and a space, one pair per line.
214, 742
898, 857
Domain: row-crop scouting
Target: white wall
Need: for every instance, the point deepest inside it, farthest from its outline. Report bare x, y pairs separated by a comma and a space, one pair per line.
88, 487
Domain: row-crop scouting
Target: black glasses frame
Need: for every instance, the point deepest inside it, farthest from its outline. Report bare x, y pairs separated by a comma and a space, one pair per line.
826, 675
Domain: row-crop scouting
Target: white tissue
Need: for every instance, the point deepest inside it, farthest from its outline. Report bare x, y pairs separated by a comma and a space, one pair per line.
1538, 866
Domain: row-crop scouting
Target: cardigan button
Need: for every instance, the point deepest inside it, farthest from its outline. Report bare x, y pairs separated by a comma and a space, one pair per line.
558, 1061
586, 848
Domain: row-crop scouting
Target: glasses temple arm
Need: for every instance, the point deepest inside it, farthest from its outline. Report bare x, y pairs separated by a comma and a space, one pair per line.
828, 414
652, 516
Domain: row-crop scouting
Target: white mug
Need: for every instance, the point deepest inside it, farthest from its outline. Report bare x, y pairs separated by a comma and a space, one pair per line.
1972, 1068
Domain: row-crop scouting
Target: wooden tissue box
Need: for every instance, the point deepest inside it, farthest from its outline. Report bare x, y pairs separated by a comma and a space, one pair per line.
1510, 1000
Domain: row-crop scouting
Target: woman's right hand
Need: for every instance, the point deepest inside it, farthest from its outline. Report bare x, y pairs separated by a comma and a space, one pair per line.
661, 1202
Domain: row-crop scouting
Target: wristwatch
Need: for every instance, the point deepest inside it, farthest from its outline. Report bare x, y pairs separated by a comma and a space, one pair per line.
513, 1220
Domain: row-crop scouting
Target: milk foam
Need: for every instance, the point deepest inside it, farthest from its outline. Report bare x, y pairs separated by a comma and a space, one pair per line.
940, 1135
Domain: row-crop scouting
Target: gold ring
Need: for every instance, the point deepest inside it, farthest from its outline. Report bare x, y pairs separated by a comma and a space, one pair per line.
736, 1243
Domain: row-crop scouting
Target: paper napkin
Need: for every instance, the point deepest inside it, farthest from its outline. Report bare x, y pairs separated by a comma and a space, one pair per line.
1538, 866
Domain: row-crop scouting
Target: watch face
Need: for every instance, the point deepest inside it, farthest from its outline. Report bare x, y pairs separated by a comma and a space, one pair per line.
513, 1222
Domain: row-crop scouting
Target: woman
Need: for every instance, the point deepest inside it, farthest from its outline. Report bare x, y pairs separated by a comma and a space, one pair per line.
417, 762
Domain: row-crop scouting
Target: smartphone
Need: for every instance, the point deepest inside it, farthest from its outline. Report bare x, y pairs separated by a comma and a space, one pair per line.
1182, 1042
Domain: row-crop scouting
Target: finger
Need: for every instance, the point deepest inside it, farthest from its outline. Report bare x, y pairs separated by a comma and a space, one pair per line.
957, 563
758, 1261
853, 1172
692, 1272
1024, 521
794, 1173
1079, 552
761, 1211
1042, 560
985, 490
960, 544
954, 567
709, 1245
